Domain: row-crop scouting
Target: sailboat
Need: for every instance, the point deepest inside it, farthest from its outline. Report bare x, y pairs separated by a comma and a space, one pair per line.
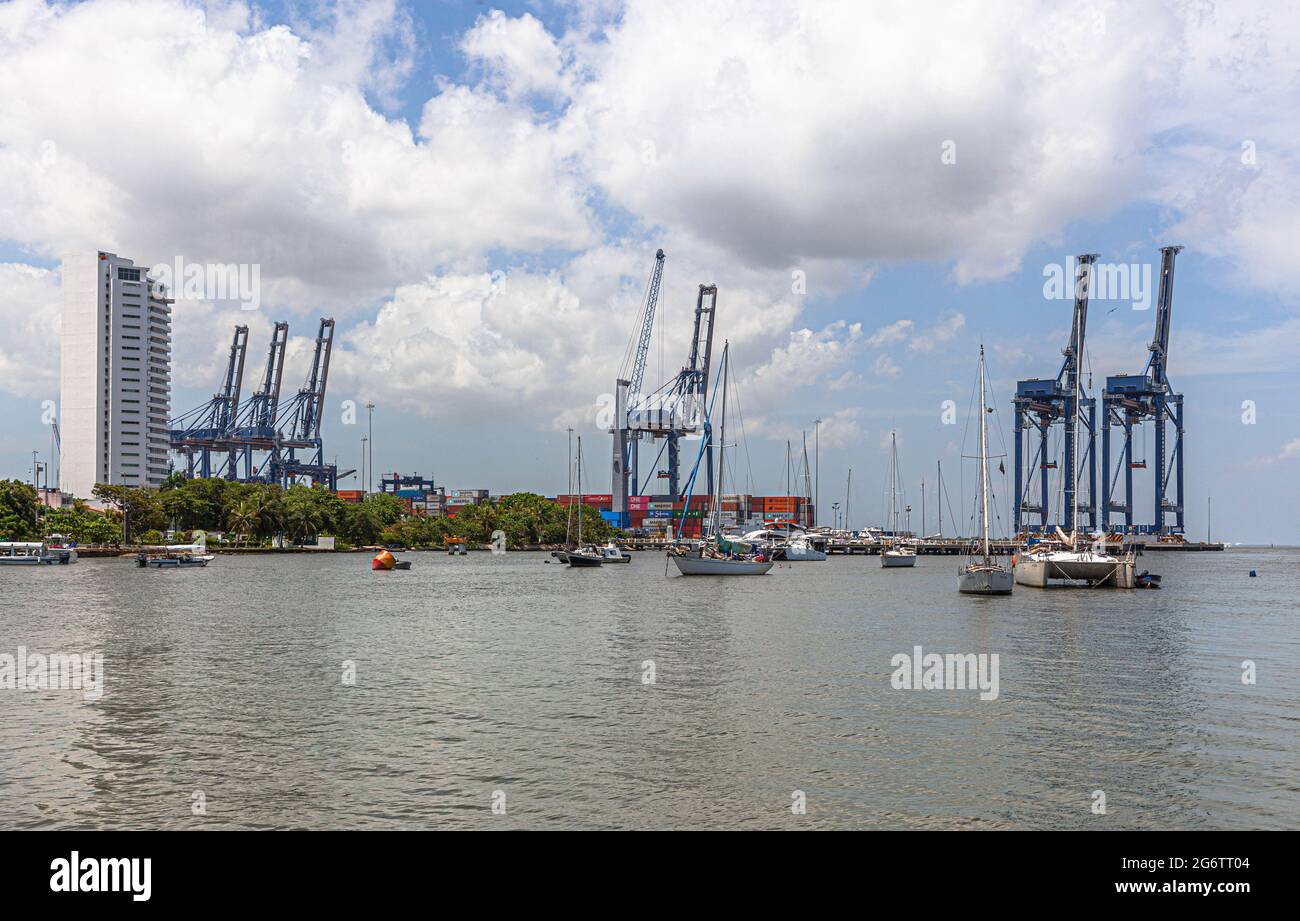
722, 556
983, 575
576, 555
1071, 558
894, 554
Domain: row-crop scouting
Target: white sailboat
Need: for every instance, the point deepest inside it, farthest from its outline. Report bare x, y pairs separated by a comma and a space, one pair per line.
720, 556
895, 554
578, 556
984, 575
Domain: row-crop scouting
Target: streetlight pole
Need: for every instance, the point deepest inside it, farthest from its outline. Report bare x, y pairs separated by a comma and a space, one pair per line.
370, 414
817, 463
364, 442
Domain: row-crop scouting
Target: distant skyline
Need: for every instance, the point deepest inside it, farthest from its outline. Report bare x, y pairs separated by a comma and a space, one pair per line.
476, 196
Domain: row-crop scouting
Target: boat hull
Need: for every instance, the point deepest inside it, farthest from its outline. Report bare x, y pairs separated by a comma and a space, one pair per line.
986, 581
892, 560
706, 566
1043, 572
808, 555
582, 560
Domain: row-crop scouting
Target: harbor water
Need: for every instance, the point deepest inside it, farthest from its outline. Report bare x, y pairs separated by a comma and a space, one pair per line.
306, 691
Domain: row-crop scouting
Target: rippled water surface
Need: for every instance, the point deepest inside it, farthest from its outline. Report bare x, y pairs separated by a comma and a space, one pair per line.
482, 674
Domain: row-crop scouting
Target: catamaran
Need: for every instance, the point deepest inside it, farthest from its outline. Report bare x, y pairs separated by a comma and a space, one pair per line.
895, 553
1072, 558
983, 575
720, 556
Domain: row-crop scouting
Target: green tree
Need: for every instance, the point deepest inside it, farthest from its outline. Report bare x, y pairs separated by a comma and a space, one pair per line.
243, 519
302, 514
17, 510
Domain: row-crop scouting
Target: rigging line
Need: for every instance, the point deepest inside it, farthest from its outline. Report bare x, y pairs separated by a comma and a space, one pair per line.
749, 467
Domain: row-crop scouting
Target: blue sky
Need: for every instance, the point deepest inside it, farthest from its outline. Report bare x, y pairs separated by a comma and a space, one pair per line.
380, 162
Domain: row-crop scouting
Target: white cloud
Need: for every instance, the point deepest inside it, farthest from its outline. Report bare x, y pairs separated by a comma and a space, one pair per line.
216, 138
803, 361
884, 366
1290, 451
520, 56
945, 329
31, 305
894, 332
787, 130
841, 429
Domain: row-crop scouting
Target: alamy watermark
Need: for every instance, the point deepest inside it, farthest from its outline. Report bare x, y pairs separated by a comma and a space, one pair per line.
34, 671
212, 281
1109, 281
932, 671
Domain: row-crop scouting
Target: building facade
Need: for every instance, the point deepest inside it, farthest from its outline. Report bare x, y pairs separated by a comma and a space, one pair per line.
115, 375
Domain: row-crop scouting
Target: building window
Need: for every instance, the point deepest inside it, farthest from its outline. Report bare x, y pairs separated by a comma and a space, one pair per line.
128, 274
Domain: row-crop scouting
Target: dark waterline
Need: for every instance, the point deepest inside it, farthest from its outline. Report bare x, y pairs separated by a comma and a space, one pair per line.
481, 673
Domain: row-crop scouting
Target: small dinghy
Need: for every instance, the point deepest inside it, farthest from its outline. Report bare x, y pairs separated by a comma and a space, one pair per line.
1146, 579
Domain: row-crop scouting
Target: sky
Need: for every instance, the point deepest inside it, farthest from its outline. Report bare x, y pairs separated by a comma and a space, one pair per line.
475, 193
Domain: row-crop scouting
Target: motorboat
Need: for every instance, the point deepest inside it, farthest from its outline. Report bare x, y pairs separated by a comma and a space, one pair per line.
611, 552
803, 548
35, 553
180, 556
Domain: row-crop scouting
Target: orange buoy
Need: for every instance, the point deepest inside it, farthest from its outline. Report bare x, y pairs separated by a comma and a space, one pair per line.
383, 560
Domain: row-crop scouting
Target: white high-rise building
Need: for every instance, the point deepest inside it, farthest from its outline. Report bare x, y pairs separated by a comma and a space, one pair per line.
115, 378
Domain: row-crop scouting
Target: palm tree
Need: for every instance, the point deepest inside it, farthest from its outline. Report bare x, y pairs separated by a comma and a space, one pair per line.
243, 519
301, 518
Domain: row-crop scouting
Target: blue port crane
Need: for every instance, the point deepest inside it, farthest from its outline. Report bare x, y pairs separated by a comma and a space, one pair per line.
301, 429
1132, 400
255, 427
674, 410
200, 432
225, 427
630, 444
1040, 404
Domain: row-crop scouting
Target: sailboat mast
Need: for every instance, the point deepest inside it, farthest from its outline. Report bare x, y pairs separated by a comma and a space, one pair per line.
893, 482
939, 500
848, 495
722, 443
579, 491
984, 464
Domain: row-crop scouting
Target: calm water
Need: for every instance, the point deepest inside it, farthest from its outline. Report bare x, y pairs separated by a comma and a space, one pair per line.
482, 674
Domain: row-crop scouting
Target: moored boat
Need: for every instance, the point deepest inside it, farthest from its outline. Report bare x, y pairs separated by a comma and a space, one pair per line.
984, 575
895, 554
698, 564
181, 556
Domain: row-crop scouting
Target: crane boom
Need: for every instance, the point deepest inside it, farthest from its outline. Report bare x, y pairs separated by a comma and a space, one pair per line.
1158, 364
647, 326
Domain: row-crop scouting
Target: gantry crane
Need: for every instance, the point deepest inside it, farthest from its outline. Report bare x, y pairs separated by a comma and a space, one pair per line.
255, 428
674, 410
202, 430
1133, 399
301, 431
224, 426
1041, 403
